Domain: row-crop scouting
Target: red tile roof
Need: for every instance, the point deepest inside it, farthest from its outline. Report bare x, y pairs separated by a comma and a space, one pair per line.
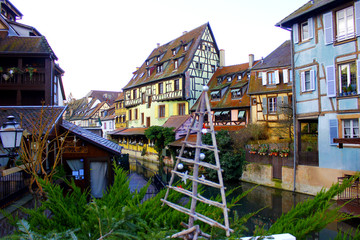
191, 39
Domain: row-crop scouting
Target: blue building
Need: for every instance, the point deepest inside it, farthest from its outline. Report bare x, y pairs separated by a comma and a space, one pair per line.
326, 69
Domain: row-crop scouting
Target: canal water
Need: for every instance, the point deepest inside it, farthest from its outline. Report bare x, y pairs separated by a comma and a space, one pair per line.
274, 201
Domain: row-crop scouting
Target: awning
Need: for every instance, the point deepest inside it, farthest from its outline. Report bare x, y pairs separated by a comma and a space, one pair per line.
225, 112
217, 113
214, 92
241, 114
235, 90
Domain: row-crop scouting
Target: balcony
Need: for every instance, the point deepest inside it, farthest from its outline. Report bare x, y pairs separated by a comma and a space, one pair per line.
38, 78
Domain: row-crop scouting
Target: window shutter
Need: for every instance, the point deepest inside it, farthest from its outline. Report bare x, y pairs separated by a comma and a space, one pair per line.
358, 75
166, 110
333, 124
330, 79
328, 28
279, 105
357, 18
264, 106
157, 111
264, 80
312, 80
286, 75
291, 75
296, 33
277, 78
302, 81
285, 101
311, 27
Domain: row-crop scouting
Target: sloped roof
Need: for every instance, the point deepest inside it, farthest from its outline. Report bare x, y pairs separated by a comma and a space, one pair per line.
104, 96
309, 9
279, 58
176, 121
179, 142
120, 97
30, 116
114, 132
26, 45
131, 132
92, 138
226, 102
191, 39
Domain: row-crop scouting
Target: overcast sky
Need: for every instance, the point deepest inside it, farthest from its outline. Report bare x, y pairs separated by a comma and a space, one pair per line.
100, 43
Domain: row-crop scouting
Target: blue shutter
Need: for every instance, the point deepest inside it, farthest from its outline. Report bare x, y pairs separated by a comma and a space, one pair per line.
296, 33
312, 80
357, 18
331, 82
264, 106
279, 105
311, 27
333, 124
328, 28
302, 81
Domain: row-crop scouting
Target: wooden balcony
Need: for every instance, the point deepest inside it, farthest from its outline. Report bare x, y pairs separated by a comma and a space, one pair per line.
24, 79
12, 186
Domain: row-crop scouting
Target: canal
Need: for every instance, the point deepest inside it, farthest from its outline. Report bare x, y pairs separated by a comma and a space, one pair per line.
274, 201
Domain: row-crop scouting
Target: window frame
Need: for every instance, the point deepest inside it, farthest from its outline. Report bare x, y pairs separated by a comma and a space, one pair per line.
311, 80
349, 74
161, 88
161, 111
181, 109
348, 34
272, 105
351, 127
176, 85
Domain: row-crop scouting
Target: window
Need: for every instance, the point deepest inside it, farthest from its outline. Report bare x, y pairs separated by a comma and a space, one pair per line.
345, 24
350, 128
229, 78
130, 117
174, 52
272, 104
134, 94
161, 88
186, 47
159, 68
215, 95
219, 80
271, 78
181, 109
142, 118
307, 81
176, 85
136, 114
176, 64
143, 98
168, 87
239, 77
212, 68
304, 31
347, 77
162, 111
149, 72
236, 93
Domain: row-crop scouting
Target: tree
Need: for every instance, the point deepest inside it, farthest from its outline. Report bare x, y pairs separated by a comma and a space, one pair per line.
285, 123
41, 140
232, 162
161, 136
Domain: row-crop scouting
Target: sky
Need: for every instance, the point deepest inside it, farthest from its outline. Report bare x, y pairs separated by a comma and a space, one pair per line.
99, 44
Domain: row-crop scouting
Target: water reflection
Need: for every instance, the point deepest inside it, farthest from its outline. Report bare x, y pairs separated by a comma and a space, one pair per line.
274, 201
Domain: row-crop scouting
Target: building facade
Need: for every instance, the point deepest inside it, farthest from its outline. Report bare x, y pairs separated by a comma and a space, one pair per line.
325, 40
171, 79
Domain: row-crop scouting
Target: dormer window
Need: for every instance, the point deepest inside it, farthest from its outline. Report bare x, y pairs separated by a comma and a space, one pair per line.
142, 74
219, 80
239, 77
147, 62
229, 78
174, 52
148, 72
176, 64
236, 93
215, 95
186, 47
159, 68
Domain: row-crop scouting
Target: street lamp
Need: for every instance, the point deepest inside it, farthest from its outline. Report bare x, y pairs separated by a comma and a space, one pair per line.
11, 134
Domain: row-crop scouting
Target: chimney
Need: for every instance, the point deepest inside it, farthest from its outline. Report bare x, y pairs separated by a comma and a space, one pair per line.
251, 60
158, 45
222, 58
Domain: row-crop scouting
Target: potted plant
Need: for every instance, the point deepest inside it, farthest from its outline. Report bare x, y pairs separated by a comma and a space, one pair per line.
349, 89
31, 71
274, 152
252, 150
285, 152
345, 91
263, 149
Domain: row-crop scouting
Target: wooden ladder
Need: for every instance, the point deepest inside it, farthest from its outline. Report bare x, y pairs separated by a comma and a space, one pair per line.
192, 232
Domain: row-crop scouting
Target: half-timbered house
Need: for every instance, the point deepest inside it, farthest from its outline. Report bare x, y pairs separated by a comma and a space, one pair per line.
171, 78
325, 41
270, 91
120, 112
228, 96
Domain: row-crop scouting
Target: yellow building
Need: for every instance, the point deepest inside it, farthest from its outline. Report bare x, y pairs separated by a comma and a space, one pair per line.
120, 112
270, 92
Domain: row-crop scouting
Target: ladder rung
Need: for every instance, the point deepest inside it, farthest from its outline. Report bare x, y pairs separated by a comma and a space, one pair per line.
198, 180
204, 164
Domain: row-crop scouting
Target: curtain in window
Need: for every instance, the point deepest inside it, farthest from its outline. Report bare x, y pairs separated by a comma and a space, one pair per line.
98, 178
75, 165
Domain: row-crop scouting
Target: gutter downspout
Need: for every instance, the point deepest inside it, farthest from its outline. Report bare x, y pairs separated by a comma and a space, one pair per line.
294, 106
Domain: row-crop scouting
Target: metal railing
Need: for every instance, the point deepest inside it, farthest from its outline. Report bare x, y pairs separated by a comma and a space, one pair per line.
350, 193
13, 186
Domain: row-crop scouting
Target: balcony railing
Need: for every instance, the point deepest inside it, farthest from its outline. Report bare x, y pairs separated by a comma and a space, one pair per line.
350, 193
23, 78
12, 186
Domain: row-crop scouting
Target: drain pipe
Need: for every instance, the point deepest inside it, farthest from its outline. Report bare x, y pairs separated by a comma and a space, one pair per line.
294, 105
